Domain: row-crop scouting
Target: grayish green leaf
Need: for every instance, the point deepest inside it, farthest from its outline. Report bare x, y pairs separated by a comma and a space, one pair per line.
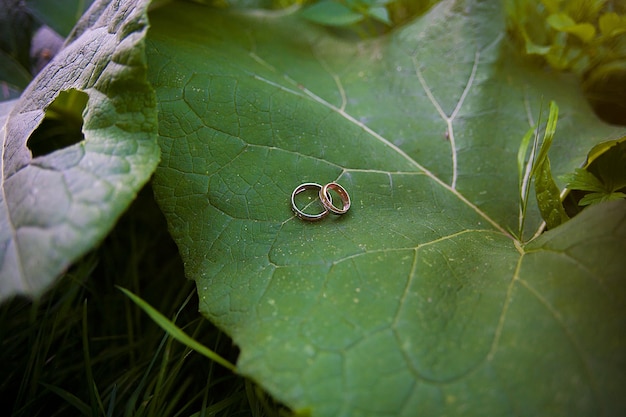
56, 207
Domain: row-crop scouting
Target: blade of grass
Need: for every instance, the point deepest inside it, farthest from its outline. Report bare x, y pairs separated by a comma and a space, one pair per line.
112, 401
523, 171
546, 191
68, 397
157, 400
177, 333
39, 343
548, 135
526, 179
184, 409
166, 377
94, 396
130, 409
220, 406
173, 400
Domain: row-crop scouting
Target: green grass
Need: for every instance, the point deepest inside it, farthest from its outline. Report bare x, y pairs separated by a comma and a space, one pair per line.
85, 349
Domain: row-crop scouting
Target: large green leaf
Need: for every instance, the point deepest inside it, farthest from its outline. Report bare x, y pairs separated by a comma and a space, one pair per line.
57, 205
419, 301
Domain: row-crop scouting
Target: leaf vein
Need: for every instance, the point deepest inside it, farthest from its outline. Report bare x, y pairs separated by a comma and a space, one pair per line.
308, 93
558, 318
5, 202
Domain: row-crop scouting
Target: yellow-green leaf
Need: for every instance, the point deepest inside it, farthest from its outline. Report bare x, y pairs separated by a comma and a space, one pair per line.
584, 31
612, 24
560, 21
564, 23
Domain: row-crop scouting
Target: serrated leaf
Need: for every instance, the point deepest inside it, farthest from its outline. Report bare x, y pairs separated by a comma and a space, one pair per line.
583, 180
597, 198
57, 206
605, 175
417, 301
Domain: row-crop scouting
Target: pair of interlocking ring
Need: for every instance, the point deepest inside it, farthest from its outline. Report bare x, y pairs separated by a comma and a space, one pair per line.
325, 198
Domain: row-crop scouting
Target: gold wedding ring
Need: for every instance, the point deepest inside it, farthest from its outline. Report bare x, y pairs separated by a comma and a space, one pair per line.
327, 199
301, 214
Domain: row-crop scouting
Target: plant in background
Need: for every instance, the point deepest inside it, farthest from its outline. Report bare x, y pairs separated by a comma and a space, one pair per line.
31, 33
347, 12
571, 35
375, 16
586, 37
535, 167
603, 178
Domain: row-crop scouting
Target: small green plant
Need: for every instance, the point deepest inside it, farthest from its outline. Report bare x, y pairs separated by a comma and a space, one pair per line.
585, 37
535, 167
604, 176
376, 16
347, 12
570, 35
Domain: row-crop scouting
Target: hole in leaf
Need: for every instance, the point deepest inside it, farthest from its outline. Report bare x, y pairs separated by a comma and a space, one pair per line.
62, 125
